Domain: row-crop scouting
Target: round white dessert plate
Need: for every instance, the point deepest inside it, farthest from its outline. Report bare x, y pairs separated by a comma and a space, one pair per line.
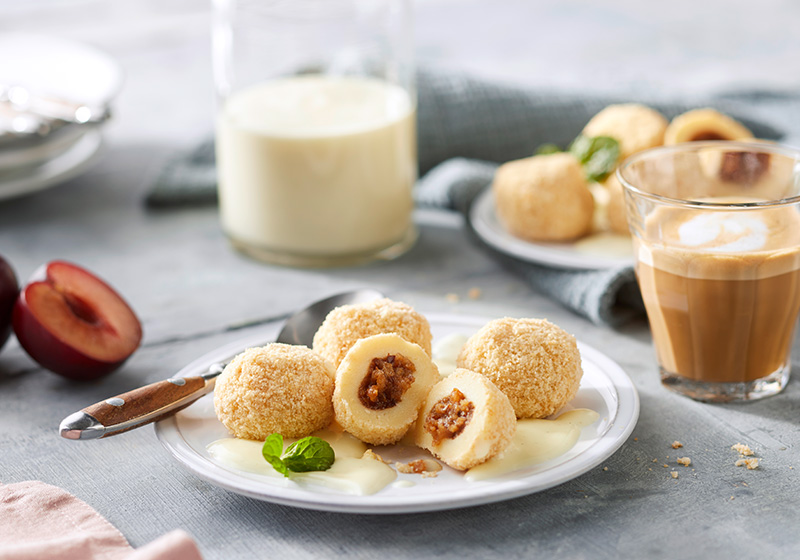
75, 160
593, 253
605, 388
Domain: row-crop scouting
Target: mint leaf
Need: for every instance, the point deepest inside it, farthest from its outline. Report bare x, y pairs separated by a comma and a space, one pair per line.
581, 148
597, 155
272, 450
309, 454
546, 149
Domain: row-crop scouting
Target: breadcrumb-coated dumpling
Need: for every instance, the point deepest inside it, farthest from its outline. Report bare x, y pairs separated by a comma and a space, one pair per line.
466, 420
534, 362
380, 387
347, 324
544, 198
636, 127
275, 388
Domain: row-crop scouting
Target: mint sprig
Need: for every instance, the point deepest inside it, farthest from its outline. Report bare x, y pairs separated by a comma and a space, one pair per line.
547, 149
272, 451
597, 155
307, 454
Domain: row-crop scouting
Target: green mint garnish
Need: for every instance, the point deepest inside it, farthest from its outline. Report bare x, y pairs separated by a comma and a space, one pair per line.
546, 149
597, 155
272, 450
306, 454
309, 454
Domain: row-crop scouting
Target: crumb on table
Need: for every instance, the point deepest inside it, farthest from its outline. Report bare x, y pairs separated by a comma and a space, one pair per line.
751, 463
685, 461
742, 449
676, 445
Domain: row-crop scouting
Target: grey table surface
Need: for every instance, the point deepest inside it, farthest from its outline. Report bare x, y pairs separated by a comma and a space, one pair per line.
193, 294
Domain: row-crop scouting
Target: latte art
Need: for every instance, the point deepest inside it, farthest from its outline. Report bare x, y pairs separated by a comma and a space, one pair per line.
724, 232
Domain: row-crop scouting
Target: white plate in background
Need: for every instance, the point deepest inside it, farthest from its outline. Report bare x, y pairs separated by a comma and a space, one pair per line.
592, 253
74, 161
61, 68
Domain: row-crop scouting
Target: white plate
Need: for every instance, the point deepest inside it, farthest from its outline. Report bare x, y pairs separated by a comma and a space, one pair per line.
59, 67
605, 388
590, 254
21, 157
71, 163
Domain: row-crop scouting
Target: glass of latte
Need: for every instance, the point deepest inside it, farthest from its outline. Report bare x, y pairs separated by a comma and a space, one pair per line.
716, 230
315, 128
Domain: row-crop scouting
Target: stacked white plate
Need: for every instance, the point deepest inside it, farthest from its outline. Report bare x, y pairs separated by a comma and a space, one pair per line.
62, 69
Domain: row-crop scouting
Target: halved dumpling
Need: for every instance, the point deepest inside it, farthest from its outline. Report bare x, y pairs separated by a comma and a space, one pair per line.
704, 124
466, 420
380, 386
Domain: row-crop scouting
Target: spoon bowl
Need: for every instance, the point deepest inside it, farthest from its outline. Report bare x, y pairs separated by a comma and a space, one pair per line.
159, 400
300, 328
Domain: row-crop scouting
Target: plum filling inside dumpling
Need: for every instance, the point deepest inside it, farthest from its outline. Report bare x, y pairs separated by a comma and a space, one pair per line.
449, 416
466, 420
380, 386
386, 382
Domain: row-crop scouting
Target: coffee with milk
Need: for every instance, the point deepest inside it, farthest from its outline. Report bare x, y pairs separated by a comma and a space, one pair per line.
716, 229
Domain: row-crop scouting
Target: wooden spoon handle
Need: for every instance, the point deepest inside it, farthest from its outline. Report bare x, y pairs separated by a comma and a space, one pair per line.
135, 408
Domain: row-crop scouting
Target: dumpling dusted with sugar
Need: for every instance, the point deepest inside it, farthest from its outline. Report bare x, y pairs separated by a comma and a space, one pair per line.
380, 387
347, 324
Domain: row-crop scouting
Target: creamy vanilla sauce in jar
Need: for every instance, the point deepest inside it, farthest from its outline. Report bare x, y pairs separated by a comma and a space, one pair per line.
317, 166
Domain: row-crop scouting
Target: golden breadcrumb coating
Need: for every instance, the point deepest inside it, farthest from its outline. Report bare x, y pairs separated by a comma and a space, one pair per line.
275, 388
635, 127
489, 428
544, 198
347, 324
534, 362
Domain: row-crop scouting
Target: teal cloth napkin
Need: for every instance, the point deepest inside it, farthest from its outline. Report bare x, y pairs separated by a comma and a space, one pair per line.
466, 127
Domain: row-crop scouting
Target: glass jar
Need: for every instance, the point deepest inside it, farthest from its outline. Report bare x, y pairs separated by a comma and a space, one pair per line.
315, 129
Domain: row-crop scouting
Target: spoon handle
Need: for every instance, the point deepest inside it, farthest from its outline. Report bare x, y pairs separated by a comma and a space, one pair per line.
138, 407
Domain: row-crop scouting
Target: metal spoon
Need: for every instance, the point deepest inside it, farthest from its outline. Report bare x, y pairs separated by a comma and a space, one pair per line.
161, 399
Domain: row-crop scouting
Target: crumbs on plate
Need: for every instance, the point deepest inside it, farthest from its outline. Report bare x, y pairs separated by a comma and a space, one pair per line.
428, 468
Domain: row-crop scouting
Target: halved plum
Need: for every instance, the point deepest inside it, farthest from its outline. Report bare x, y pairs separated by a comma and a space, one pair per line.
73, 323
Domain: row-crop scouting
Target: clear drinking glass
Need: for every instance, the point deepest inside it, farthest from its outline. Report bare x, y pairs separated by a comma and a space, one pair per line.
716, 230
316, 131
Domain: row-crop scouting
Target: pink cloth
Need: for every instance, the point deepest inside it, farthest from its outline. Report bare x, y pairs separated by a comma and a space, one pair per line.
43, 522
